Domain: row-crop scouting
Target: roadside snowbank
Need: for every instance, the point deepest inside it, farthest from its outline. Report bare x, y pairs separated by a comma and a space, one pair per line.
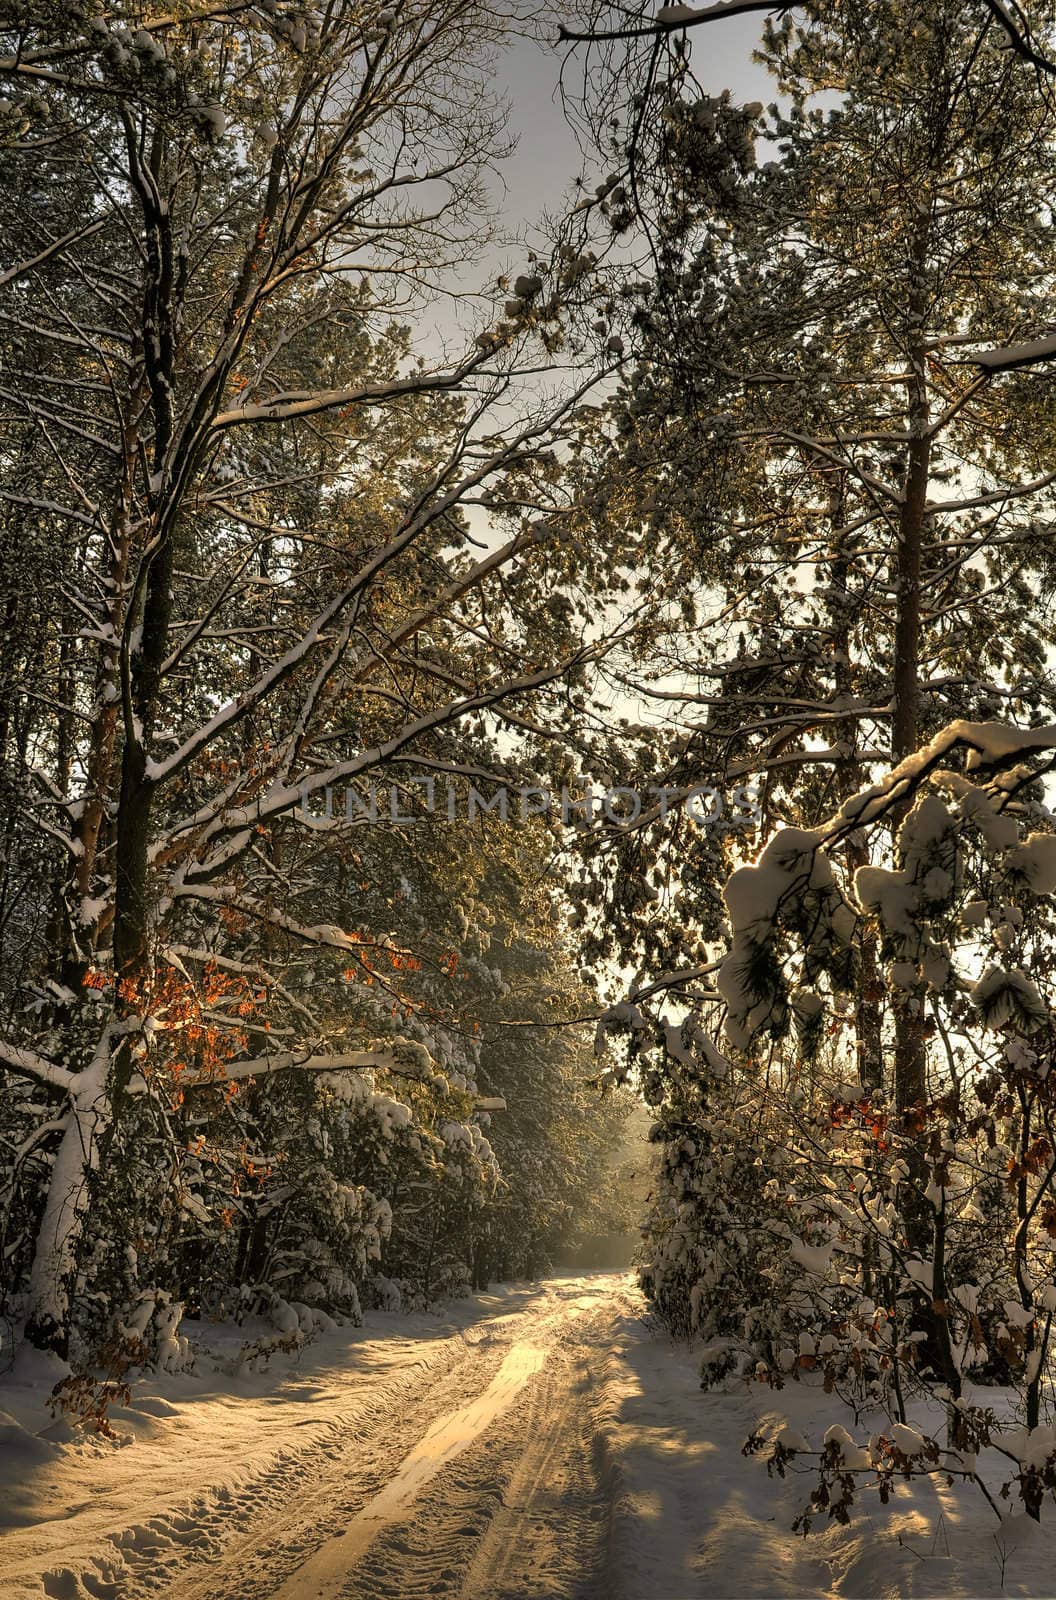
693, 1518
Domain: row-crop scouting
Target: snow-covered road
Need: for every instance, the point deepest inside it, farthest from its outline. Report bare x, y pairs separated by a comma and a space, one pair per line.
448, 1457
482, 1486
542, 1442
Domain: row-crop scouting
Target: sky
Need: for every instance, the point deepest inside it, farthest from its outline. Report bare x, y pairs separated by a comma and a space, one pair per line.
548, 159
540, 175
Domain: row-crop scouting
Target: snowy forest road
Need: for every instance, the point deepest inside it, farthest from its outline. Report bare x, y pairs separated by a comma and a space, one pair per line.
455, 1457
496, 1496
543, 1441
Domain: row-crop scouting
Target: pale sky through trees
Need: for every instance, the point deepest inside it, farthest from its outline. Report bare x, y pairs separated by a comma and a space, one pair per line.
540, 174
547, 158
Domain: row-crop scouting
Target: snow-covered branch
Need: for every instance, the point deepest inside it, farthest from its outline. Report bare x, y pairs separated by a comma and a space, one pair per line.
291, 1060
27, 1063
671, 18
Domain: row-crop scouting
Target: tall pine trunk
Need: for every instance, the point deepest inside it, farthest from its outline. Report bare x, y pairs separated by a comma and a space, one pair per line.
910, 1055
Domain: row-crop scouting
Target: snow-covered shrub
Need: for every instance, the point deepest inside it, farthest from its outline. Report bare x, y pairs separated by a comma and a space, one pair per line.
705, 1262
385, 1293
889, 1238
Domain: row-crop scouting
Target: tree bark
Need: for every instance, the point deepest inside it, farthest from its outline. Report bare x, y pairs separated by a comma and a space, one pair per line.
55, 1258
910, 1054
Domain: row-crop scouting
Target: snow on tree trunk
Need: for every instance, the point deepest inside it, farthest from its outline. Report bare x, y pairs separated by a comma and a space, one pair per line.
55, 1259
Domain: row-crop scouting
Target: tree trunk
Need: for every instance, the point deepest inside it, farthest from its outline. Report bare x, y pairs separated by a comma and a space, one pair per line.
58, 1241
868, 1029
910, 1055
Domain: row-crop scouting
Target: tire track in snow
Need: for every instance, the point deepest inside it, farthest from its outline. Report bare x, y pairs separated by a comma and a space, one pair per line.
324, 1576
247, 1538
521, 1515
199, 1549
550, 1535
282, 1530
275, 1535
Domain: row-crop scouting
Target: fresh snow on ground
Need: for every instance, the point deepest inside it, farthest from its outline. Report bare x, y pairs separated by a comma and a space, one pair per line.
697, 1520
536, 1442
